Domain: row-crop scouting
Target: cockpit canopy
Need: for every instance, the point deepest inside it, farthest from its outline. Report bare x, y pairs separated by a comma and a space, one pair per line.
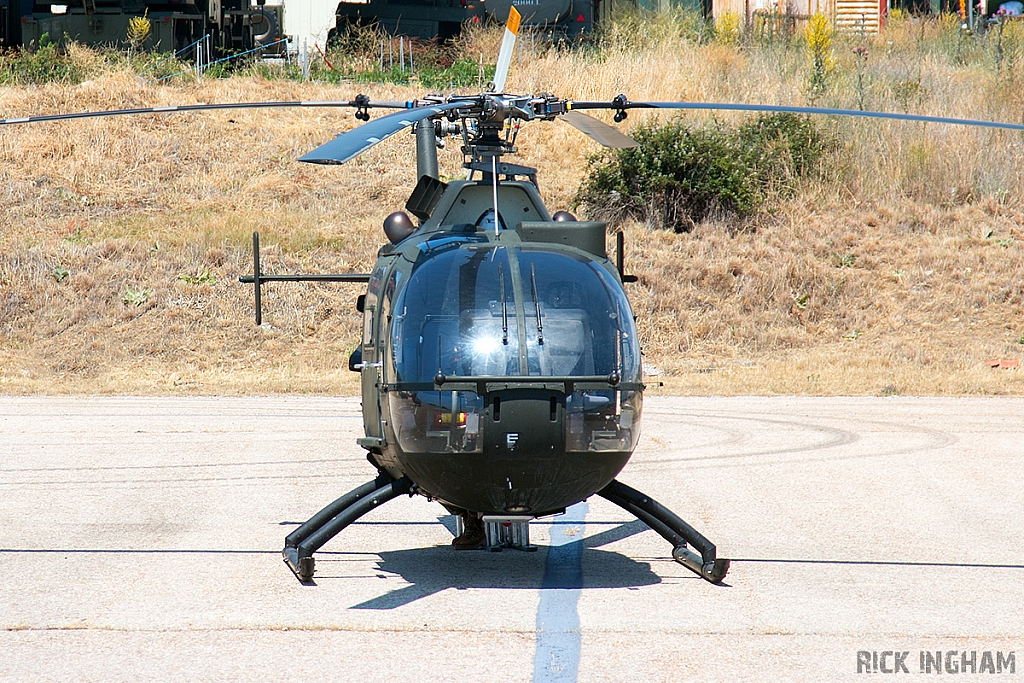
490, 310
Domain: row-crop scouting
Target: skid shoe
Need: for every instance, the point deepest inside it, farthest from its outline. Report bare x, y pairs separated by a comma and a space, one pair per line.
673, 529
300, 544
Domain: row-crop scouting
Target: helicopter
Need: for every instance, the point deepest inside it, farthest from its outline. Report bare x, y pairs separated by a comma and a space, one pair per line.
499, 361
500, 366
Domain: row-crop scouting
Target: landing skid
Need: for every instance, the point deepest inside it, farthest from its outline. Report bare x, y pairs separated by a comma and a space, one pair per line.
507, 532
672, 529
300, 544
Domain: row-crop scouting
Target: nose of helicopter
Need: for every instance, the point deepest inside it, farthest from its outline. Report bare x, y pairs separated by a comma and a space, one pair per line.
529, 456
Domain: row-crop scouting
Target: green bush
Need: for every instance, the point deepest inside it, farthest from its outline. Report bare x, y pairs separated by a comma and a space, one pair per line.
46, 62
679, 175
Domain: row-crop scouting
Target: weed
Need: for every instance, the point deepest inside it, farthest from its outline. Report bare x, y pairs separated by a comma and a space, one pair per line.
852, 334
1021, 340
202, 277
135, 297
818, 39
844, 260
47, 62
909, 91
461, 74
634, 29
59, 274
727, 28
77, 237
392, 75
889, 390
138, 30
860, 53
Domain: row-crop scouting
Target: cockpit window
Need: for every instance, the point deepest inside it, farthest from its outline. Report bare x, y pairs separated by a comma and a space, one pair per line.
457, 316
468, 311
577, 321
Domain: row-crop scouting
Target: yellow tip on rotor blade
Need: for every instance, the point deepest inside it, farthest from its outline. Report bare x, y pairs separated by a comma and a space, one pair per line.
513, 21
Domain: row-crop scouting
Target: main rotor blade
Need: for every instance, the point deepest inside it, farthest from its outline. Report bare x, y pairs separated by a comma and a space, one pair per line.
598, 131
723, 106
508, 43
353, 143
199, 107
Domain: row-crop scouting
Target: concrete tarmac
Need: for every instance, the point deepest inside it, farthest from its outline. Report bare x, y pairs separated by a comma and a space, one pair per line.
140, 540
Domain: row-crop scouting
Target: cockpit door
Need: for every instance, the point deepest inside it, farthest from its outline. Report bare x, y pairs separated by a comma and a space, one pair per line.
370, 373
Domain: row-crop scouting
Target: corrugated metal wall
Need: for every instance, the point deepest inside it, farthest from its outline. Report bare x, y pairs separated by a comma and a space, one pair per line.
847, 15
857, 16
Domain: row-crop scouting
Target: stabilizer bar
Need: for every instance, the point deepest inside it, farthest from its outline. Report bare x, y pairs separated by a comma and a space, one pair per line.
258, 278
672, 528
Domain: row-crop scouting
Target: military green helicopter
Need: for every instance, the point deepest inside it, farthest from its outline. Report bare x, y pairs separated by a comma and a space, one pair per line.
500, 366
499, 361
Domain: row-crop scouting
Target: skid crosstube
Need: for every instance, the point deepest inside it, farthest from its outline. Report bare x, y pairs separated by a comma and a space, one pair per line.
300, 544
672, 529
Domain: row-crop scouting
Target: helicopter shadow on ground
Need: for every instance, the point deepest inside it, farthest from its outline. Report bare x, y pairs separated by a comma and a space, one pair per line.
435, 569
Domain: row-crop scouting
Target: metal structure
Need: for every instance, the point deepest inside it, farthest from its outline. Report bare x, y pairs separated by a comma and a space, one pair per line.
232, 25
443, 19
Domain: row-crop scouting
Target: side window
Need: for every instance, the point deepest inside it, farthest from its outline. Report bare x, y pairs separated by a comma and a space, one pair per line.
370, 305
368, 312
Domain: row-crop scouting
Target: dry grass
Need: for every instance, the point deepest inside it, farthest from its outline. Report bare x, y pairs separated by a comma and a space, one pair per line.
901, 272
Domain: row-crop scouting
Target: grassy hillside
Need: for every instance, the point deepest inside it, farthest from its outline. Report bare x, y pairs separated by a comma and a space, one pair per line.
897, 269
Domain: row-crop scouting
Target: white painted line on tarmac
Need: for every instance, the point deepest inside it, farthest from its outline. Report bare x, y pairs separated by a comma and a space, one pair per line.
557, 657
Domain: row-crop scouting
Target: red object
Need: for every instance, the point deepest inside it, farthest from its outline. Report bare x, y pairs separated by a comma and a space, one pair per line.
324, 57
579, 18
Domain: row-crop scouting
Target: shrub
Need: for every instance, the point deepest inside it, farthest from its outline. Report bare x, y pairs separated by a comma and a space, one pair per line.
46, 62
679, 175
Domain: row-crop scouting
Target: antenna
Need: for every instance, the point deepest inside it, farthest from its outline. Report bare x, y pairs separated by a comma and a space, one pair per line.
494, 190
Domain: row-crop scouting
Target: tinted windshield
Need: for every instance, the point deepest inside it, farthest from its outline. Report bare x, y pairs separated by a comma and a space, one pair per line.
480, 311
578, 321
457, 316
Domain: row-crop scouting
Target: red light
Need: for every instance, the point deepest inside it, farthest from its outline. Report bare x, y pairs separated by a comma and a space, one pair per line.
579, 18
475, 20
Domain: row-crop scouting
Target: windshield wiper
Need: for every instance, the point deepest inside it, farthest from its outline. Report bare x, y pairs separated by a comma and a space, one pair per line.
536, 303
504, 306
